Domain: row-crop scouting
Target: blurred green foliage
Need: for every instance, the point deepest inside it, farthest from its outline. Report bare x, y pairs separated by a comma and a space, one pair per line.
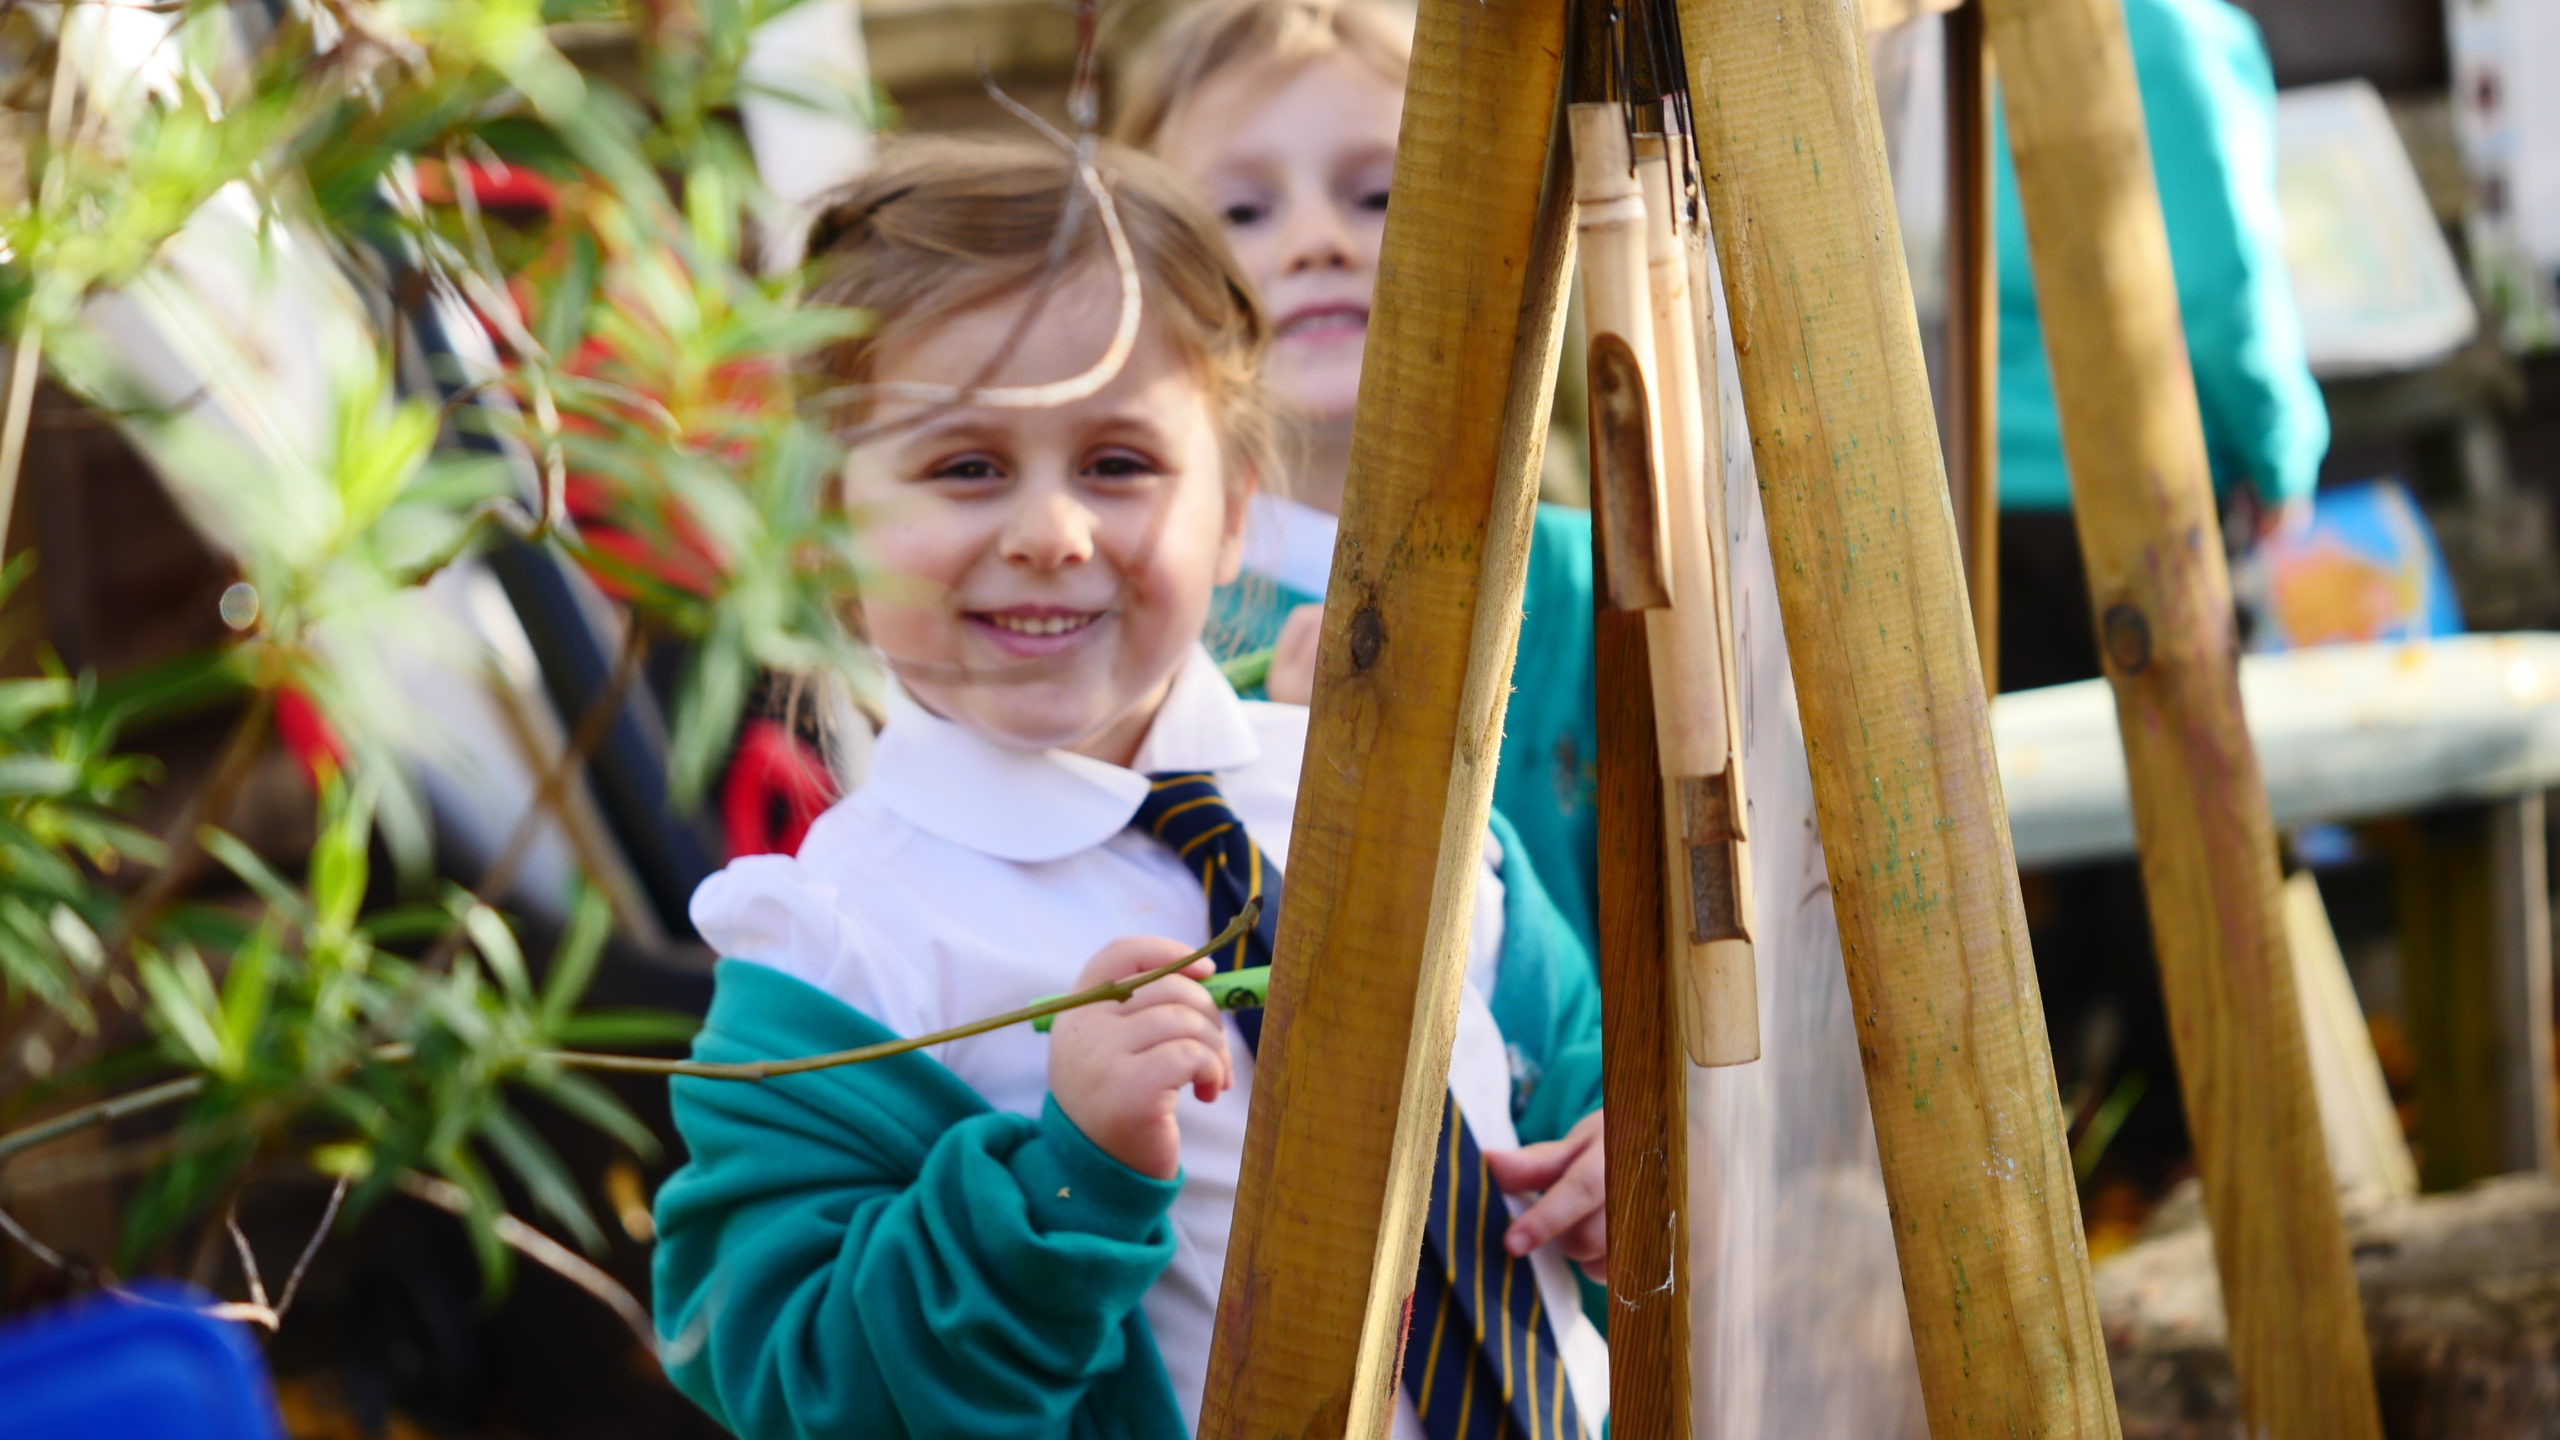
324, 150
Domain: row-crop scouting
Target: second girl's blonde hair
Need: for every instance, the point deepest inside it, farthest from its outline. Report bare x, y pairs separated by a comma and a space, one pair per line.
1206, 40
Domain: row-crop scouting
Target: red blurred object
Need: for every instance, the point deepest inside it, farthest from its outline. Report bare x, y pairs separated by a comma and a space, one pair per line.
307, 736
778, 785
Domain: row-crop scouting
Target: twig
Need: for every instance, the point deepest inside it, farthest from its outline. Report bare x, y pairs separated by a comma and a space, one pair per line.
758, 1070
35, 1247
30, 343
169, 1092
550, 1254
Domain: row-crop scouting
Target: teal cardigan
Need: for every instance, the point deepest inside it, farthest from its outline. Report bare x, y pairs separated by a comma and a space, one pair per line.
872, 1252
1546, 776
2208, 101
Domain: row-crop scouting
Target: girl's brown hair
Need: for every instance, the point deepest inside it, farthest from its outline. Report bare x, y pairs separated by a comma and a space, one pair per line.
942, 225
1205, 40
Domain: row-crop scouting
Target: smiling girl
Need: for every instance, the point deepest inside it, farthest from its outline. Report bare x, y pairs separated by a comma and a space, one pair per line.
1284, 114
1020, 1234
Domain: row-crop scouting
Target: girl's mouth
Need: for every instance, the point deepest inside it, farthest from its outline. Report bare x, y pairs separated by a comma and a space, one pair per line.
1324, 322
1032, 631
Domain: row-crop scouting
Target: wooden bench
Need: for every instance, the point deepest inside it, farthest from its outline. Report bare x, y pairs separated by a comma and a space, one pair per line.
2441, 752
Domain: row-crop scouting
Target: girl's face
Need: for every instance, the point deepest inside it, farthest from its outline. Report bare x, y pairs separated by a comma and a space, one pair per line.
1297, 162
1042, 574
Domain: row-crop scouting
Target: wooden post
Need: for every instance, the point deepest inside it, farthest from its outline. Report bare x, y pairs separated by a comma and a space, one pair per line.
1421, 619
1934, 940
1973, 325
2475, 965
1645, 1070
2143, 497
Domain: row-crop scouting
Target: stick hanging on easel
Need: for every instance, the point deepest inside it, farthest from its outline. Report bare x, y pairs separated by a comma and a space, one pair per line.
1660, 501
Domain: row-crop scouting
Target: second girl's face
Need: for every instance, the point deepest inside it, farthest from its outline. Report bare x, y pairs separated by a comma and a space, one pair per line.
1297, 163
1041, 574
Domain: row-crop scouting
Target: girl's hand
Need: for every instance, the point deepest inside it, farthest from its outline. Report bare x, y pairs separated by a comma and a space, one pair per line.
1293, 659
1574, 1211
1117, 1069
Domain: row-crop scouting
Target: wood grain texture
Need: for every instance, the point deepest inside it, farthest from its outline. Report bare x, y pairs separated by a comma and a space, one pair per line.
2142, 495
1973, 326
1635, 534
2367, 1152
1950, 1028
1645, 1073
1421, 620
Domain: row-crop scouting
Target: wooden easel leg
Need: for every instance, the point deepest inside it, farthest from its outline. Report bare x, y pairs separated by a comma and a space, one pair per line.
1896, 723
2142, 499
1422, 617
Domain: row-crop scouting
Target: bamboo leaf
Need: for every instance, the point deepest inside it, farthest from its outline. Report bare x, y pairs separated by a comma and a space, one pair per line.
574, 964
545, 1178
582, 1096
497, 945
242, 861
246, 989
626, 1029
182, 1015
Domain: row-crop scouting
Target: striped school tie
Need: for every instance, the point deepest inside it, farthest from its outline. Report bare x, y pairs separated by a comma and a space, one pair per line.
1480, 1360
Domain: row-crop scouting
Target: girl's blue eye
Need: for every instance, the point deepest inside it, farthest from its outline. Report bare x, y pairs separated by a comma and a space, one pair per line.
1244, 213
1374, 201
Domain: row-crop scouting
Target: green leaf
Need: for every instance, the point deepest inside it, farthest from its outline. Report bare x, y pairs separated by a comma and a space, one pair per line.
242, 861
571, 299
37, 776
482, 1212
545, 1178
246, 991
582, 1096
573, 965
626, 1029
497, 945
339, 863
182, 999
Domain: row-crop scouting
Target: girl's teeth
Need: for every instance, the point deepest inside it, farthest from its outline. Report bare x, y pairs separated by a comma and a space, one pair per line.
1041, 624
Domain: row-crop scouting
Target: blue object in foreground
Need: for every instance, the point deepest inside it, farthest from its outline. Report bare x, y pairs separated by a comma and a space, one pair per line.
152, 1368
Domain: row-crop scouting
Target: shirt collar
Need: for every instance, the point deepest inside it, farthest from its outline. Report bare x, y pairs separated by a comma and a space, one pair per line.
1038, 805
1289, 542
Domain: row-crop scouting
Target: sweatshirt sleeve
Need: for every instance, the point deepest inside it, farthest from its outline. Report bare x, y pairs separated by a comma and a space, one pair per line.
2208, 97
1546, 999
871, 1252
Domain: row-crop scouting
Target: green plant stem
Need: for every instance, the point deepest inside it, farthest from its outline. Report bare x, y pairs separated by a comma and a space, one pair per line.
170, 1092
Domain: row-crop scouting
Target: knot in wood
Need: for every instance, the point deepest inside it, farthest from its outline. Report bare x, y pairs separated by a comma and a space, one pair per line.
1368, 637
2127, 638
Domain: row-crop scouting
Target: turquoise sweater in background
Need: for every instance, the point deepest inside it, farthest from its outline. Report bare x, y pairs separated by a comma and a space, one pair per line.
1546, 779
2208, 100
871, 1253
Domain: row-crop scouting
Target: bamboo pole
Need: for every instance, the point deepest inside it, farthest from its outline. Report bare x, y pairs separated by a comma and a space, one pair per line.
2143, 499
1698, 725
1973, 324
1950, 1027
1422, 618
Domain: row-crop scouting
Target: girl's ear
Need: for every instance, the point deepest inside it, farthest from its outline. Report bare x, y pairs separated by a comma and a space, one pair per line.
1231, 533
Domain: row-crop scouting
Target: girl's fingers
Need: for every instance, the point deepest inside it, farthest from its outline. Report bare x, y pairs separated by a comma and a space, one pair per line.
1182, 989
1144, 1030
1579, 1196
1188, 1061
1535, 1167
1133, 955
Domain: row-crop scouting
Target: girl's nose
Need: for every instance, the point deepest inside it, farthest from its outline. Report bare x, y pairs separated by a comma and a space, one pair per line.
1318, 238
1048, 530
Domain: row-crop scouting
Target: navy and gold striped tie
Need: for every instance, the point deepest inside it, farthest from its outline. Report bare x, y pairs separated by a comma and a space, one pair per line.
1479, 1357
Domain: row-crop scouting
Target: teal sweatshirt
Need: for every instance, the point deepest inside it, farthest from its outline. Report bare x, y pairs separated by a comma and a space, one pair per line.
2208, 100
1546, 777
873, 1252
